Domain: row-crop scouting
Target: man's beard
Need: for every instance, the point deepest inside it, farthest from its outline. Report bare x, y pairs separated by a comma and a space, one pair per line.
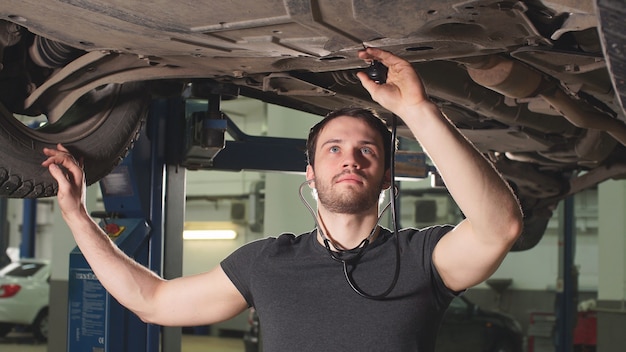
347, 202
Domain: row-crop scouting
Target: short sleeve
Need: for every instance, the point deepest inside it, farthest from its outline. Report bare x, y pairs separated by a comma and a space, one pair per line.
239, 266
425, 240
444, 293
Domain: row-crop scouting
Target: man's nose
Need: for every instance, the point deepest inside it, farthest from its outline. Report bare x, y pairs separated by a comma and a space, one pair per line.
354, 159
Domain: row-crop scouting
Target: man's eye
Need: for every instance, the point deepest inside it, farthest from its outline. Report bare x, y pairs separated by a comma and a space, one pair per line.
334, 149
366, 150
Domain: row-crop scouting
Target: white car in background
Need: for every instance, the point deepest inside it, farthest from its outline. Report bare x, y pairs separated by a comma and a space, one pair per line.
24, 296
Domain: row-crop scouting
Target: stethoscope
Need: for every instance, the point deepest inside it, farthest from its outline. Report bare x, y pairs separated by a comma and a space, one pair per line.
359, 250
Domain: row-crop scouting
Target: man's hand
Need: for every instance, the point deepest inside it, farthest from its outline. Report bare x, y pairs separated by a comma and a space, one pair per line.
403, 90
68, 172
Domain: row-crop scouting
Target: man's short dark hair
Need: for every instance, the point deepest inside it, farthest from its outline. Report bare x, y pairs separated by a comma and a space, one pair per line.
369, 116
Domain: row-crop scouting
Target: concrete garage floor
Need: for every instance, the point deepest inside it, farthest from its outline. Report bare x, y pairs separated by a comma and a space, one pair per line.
23, 342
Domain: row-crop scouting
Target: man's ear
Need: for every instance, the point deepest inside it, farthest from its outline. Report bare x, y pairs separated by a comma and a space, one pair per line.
310, 175
387, 179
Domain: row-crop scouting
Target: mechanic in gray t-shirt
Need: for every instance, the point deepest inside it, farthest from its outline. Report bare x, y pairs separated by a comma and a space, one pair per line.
348, 285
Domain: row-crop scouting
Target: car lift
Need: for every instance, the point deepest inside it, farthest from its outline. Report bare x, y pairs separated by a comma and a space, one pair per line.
4, 232
567, 284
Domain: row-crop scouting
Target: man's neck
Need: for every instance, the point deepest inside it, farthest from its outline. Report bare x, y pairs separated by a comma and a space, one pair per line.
346, 231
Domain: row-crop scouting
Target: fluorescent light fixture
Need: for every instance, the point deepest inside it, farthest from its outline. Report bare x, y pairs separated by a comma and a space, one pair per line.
207, 230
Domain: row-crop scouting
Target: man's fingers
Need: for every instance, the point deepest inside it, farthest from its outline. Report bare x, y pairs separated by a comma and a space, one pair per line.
66, 179
59, 175
367, 82
60, 156
387, 58
55, 171
62, 148
63, 166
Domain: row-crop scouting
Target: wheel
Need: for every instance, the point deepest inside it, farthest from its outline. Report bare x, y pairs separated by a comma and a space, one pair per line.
535, 224
5, 329
503, 346
40, 326
100, 128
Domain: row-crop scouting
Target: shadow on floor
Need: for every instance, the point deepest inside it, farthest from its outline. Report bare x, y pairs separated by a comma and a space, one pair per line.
22, 342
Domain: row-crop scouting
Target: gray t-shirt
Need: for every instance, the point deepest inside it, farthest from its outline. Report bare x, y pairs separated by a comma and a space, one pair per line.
304, 302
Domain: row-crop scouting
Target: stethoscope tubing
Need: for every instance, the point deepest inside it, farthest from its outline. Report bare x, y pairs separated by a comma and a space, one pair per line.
354, 259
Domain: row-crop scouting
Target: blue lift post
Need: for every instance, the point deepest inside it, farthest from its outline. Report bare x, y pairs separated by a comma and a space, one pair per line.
567, 291
29, 224
29, 227
4, 232
136, 218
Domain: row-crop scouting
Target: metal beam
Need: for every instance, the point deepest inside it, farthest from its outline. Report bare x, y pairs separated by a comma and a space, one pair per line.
29, 226
567, 286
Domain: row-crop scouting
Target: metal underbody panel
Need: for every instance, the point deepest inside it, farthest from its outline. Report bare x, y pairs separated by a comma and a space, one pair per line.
526, 81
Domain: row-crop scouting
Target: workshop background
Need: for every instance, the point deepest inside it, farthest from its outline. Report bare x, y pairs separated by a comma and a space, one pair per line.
257, 205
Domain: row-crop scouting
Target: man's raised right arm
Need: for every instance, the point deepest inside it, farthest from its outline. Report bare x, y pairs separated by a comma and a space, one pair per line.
187, 301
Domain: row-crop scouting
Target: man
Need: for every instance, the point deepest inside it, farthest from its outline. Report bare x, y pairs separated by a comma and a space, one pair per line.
313, 292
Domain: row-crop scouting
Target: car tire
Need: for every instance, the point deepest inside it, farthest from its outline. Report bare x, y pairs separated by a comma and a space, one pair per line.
100, 128
535, 224
5, 329
503, 346
40, 326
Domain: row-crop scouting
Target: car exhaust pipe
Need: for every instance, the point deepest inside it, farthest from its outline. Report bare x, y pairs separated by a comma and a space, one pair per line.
516, 80
582, 115
507, 77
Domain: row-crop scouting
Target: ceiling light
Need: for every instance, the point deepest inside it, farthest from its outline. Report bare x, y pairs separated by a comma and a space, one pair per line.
207, 230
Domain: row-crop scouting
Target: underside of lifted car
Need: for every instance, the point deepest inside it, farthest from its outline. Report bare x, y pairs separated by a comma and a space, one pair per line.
537, 86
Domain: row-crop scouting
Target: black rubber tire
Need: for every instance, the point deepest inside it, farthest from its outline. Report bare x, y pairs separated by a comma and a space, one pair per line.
535, 224
5, 329
612, 31
41, 326
504, 345
100, 128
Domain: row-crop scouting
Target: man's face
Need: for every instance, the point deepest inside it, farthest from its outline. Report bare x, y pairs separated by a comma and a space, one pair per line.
349, 166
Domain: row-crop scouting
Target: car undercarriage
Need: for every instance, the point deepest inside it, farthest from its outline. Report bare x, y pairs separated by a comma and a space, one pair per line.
537, 86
